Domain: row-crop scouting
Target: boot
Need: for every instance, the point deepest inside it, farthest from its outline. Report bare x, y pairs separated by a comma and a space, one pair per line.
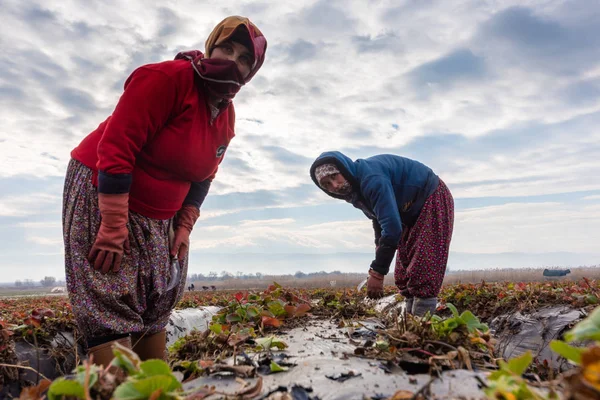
408, 305
150, 346
422, 305
103, 355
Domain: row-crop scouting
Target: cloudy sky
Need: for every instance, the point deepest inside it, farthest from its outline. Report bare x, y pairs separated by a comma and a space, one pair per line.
500, 98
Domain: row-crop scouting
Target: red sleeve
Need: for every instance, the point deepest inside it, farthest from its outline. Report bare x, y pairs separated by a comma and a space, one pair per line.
143, 109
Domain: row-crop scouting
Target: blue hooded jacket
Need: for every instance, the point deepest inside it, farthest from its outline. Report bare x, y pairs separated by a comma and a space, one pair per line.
389, 189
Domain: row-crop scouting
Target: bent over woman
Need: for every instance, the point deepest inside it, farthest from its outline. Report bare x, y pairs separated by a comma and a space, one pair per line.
134, 188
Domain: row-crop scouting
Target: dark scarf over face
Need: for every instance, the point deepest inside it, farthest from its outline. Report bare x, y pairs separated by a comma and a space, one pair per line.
221, 78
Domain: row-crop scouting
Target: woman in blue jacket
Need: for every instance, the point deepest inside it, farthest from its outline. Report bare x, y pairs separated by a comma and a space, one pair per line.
412, 211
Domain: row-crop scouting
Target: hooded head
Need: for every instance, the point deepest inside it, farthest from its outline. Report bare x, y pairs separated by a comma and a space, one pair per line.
331, 180
334, 173
220, 74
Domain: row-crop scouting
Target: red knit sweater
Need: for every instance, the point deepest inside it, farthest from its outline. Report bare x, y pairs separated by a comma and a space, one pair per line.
162, 135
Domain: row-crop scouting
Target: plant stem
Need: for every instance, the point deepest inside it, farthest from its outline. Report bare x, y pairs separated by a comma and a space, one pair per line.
23, 367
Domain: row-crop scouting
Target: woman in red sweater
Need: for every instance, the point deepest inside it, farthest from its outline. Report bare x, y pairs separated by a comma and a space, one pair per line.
135, 185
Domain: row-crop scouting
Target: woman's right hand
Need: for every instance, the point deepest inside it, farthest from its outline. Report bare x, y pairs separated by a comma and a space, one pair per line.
112, 240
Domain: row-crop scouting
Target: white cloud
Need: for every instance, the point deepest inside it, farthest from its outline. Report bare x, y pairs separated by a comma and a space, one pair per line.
45, 241
527, 227
282, 234
40, 225
31, 204
266, 222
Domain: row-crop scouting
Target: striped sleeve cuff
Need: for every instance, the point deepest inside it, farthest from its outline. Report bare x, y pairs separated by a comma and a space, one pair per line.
113, 183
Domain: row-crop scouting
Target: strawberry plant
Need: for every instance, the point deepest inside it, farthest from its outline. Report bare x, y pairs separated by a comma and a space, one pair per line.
458, 341
261, 310
151, 379
586, 378
7, 354
487, 300
582, 382
445, 327
508, 383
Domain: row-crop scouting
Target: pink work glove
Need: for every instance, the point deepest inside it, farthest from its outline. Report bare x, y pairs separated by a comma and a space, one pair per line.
112, 239
375, 285
184, 223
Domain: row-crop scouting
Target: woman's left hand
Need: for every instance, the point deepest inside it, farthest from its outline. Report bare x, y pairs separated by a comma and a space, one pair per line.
181, 243
375, 285
186, 218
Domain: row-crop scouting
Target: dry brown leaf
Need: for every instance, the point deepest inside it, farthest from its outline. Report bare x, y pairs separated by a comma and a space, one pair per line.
590, 364
402, 395
35, 392
578, 388
412, 338
155, 395
251, 392
465, 357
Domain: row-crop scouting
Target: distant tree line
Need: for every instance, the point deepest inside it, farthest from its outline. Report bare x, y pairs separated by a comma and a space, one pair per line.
224, 275
48, 281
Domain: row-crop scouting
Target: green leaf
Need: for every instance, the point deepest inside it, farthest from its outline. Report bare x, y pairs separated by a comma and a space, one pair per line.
382, 345
154, 367
520, 364
178, 345
589, 328
126, 359
569, 352
267, 313
253, 312
472, 322
453, 309
142, 389
506, 385
269, 342
277, 368
451, 324
233, 318
127, 391
81, 371
216, 328
241, 311
276, 307
494, 376
62, 387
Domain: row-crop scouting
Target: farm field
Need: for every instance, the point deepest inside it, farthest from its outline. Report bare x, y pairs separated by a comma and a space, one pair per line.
349, 280
258, 345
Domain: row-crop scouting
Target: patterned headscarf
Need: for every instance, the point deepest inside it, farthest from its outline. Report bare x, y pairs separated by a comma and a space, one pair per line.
222, 77
325, 170
239, 29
